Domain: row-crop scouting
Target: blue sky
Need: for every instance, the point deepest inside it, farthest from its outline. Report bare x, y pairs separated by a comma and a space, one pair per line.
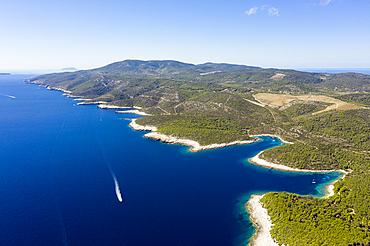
51, 34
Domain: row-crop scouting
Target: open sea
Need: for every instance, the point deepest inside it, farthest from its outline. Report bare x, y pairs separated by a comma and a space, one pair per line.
335, 70
64, 169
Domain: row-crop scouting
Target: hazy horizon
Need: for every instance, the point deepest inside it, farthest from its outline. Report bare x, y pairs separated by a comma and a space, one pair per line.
280, 34
304, 69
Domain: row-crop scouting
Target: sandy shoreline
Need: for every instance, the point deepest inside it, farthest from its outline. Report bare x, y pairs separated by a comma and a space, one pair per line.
87, 102
195, 146
261, 220
330, 187
270, 135
58, 89
138, 127
134, 111
261, 162
107, 106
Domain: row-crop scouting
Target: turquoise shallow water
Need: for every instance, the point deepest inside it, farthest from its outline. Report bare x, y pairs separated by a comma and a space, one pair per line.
61, 165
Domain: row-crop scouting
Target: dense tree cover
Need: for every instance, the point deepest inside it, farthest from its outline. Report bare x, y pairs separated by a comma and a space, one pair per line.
333, 140
352, 126
302, 108
167, 68
329, 157
346, 82
357, 98
311, 221
205, 130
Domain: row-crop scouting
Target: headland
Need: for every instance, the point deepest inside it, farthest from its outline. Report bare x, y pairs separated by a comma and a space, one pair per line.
194, 145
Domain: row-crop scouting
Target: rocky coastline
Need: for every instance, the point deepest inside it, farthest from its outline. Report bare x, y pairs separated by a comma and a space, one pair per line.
134, 111
261, 220
194, 145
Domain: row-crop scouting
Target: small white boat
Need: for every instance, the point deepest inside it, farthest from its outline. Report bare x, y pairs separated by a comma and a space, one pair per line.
313, 181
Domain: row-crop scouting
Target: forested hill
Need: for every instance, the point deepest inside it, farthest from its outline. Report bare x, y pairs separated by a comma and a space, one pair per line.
326, 116
166, 69
122, 82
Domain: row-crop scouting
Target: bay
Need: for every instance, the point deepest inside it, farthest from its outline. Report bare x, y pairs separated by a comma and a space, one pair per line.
60, 166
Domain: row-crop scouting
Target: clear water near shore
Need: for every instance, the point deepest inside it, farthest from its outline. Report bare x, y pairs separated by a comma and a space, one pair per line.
58, 187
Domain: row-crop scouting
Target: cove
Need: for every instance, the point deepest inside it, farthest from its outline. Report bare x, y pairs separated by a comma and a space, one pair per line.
57, 160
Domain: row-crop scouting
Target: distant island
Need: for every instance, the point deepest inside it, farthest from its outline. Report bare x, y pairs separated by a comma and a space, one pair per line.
4, 73
325, 116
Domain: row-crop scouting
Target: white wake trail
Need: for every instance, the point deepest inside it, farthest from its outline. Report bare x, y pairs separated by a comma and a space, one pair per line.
116, 185
7, 95
118, 192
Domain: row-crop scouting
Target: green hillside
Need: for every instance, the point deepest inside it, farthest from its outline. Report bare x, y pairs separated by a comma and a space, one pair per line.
215, 103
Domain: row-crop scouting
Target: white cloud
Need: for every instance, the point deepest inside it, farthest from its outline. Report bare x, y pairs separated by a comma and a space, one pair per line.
273, 11
322, 3
252, 11
325, 2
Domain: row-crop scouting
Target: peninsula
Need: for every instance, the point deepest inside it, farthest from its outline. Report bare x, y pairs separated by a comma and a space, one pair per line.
194, 145
325, 116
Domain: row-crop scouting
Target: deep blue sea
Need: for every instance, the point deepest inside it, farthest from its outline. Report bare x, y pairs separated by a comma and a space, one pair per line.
60, 165
335, 70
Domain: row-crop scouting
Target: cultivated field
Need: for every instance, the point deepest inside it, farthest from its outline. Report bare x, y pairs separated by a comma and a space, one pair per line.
281, 100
